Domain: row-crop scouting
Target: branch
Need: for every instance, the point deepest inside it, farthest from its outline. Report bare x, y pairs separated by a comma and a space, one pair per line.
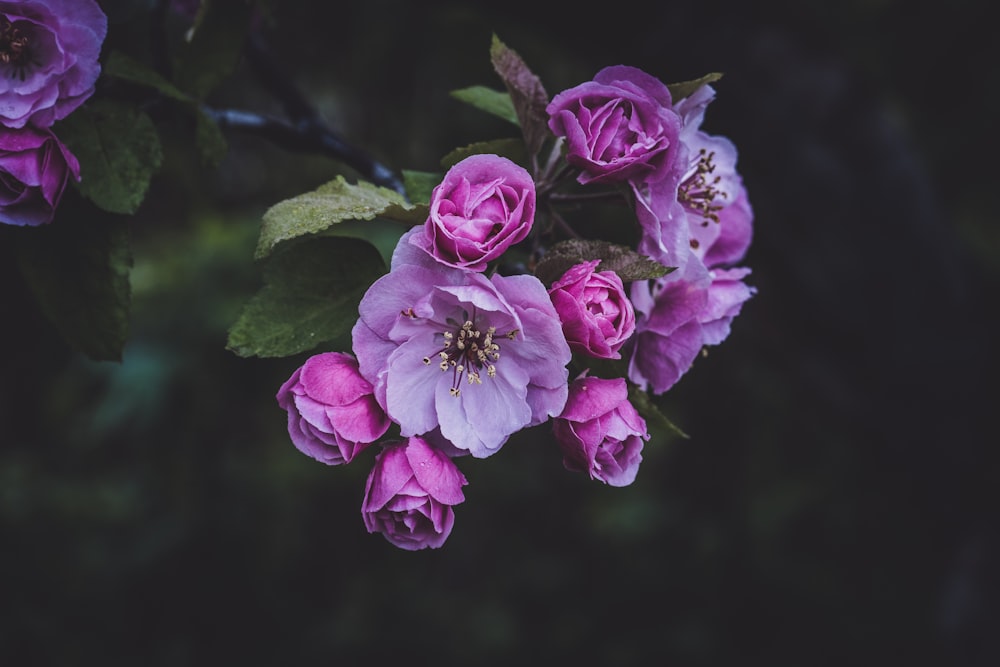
307, 138
306, 131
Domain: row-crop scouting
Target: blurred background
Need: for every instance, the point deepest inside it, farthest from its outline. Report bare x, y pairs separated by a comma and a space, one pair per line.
834, 503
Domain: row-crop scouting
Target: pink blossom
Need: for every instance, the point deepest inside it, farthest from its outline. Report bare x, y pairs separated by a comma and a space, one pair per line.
677, 316
597, 316
620, 127
410, 494
332, 413
600, 432
49, 52
34, 170
480, 358
484, 205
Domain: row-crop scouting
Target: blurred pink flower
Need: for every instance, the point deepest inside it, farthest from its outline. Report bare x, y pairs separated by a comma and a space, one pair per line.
49, 52
34, 170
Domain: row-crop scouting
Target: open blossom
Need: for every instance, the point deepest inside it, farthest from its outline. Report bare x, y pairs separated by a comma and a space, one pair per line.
709, 189
410, 495
49, 53
332, 413
34, 170
479, 357
484, 205
678, 315
597, 316
600, 432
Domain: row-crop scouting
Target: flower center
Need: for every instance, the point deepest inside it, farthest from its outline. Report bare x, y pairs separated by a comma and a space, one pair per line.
700, 192
13, 47
469, 352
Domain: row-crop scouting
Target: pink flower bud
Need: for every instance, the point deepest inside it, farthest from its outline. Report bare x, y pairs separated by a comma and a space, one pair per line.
410, 493
332, 412
600, 432
34, 169
597, 316
484, 205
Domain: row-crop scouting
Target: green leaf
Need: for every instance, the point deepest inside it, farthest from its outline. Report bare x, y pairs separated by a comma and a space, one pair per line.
679, 91
118, 149
215, 47
209, 139
419, 184
512, 149
642, 402
329, 204
628, 264
310, 297
526, 93
208, 135
488, 100
78, 271
127, 68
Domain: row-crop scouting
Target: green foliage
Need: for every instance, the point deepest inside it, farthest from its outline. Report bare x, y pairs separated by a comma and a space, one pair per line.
329, 204
513, 149
122, 66
491, 101
627, 263
310, 297
118, 149
208, 136
78, 272
419, 184
679, 91
655, 419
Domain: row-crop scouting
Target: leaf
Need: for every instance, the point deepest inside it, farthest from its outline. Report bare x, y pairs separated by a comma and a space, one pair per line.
642, 402
78, 271
513, 149
208, 136
209, 139
215, 47
118, 149
419, 184
679, 91
526, 93
628, 264
129, 69
310, 297
488, 100
329, 204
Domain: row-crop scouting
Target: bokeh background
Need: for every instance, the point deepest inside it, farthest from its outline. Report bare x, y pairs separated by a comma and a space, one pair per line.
833, 505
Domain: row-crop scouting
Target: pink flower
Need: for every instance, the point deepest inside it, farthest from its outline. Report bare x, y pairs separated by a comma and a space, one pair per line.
34, 169
708, 209
410, 494
484, 205
600, 432
480, 358
619, 127
332, 413
733, 234
726, 297
49, 53
597, 316
677, 316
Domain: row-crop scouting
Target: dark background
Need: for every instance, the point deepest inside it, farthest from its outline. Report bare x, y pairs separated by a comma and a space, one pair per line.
832, 506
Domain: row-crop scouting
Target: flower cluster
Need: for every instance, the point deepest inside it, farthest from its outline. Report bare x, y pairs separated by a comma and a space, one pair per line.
498, 315
49, 65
